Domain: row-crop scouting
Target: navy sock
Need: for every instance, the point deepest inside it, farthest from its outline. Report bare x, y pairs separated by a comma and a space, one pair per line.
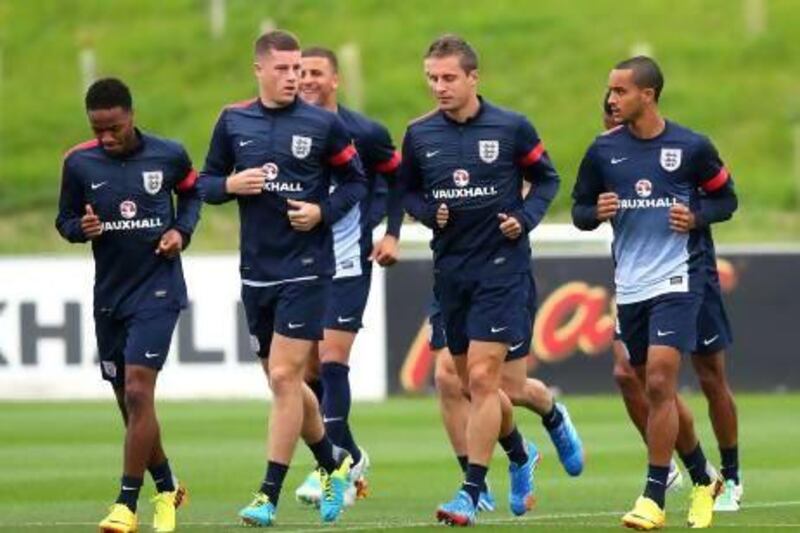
552, 419
129, 491
273, 481
350, 444
316, 387
475, 481
336, 407
695, 463
514, 446
162, 477
324, 454
656, 486
730, 463
462, 462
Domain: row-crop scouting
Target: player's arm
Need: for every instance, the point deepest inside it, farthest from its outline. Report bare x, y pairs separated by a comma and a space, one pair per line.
537, 169
409, 181
718, 200
187, 211
386, 162
345, 165
590, 204
217, 184
72, 208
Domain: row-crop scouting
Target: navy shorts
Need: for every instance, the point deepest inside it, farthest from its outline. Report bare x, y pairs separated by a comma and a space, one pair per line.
665, 320
348, 299
714, 331
438, 339
493, 310
140, 339
294, 309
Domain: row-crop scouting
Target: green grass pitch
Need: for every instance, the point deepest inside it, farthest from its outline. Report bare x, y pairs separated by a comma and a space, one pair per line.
60, 462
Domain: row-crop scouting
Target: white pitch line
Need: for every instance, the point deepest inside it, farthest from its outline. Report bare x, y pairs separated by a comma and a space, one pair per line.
314, 526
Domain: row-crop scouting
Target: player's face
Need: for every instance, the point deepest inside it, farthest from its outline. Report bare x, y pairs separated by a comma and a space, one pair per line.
318, 81
452, 87
626, 99
278, 74
113, 128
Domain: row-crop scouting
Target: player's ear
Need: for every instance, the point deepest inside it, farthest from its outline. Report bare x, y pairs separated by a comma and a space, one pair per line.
473, 76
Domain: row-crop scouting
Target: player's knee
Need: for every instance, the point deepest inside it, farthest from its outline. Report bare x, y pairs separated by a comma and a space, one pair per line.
447, 383
284, 379
660, 388
137, 398
483, 381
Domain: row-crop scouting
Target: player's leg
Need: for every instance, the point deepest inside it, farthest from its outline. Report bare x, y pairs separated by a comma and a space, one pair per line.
631, 387
146, 346
453, 404
298, 327
630, 382
498, 318
334, 354
535, 396
708, 360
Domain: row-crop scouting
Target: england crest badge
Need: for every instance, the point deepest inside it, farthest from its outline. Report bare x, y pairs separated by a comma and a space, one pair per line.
301, 146
671, 158
152, 180
488, 151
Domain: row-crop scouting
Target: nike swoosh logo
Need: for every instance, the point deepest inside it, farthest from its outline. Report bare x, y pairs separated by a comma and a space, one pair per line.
341, 320
618, 160
514, 347
128, 488
150, 355
334, 419
664, 333
295, 326
498, 330
431, 154
96, 186
245, 143
706, 342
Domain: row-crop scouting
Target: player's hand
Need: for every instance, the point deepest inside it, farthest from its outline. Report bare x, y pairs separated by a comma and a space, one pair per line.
385, 251
303, 216
510, 226
90, 224
681, 219
171, 244
248, 182
607, 206
442, 216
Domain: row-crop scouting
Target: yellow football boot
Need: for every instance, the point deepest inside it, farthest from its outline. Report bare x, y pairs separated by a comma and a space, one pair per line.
120, 519
646, 515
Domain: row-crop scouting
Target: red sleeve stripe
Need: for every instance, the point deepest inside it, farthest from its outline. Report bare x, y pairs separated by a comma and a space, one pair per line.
717, 181
82, 146
344, 156
533, 156
188, 182
390, 165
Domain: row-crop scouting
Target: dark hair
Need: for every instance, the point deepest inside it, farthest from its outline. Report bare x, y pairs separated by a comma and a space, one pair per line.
453, 45
326, 53
276, 40
646, 73
107, 93
606, 105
